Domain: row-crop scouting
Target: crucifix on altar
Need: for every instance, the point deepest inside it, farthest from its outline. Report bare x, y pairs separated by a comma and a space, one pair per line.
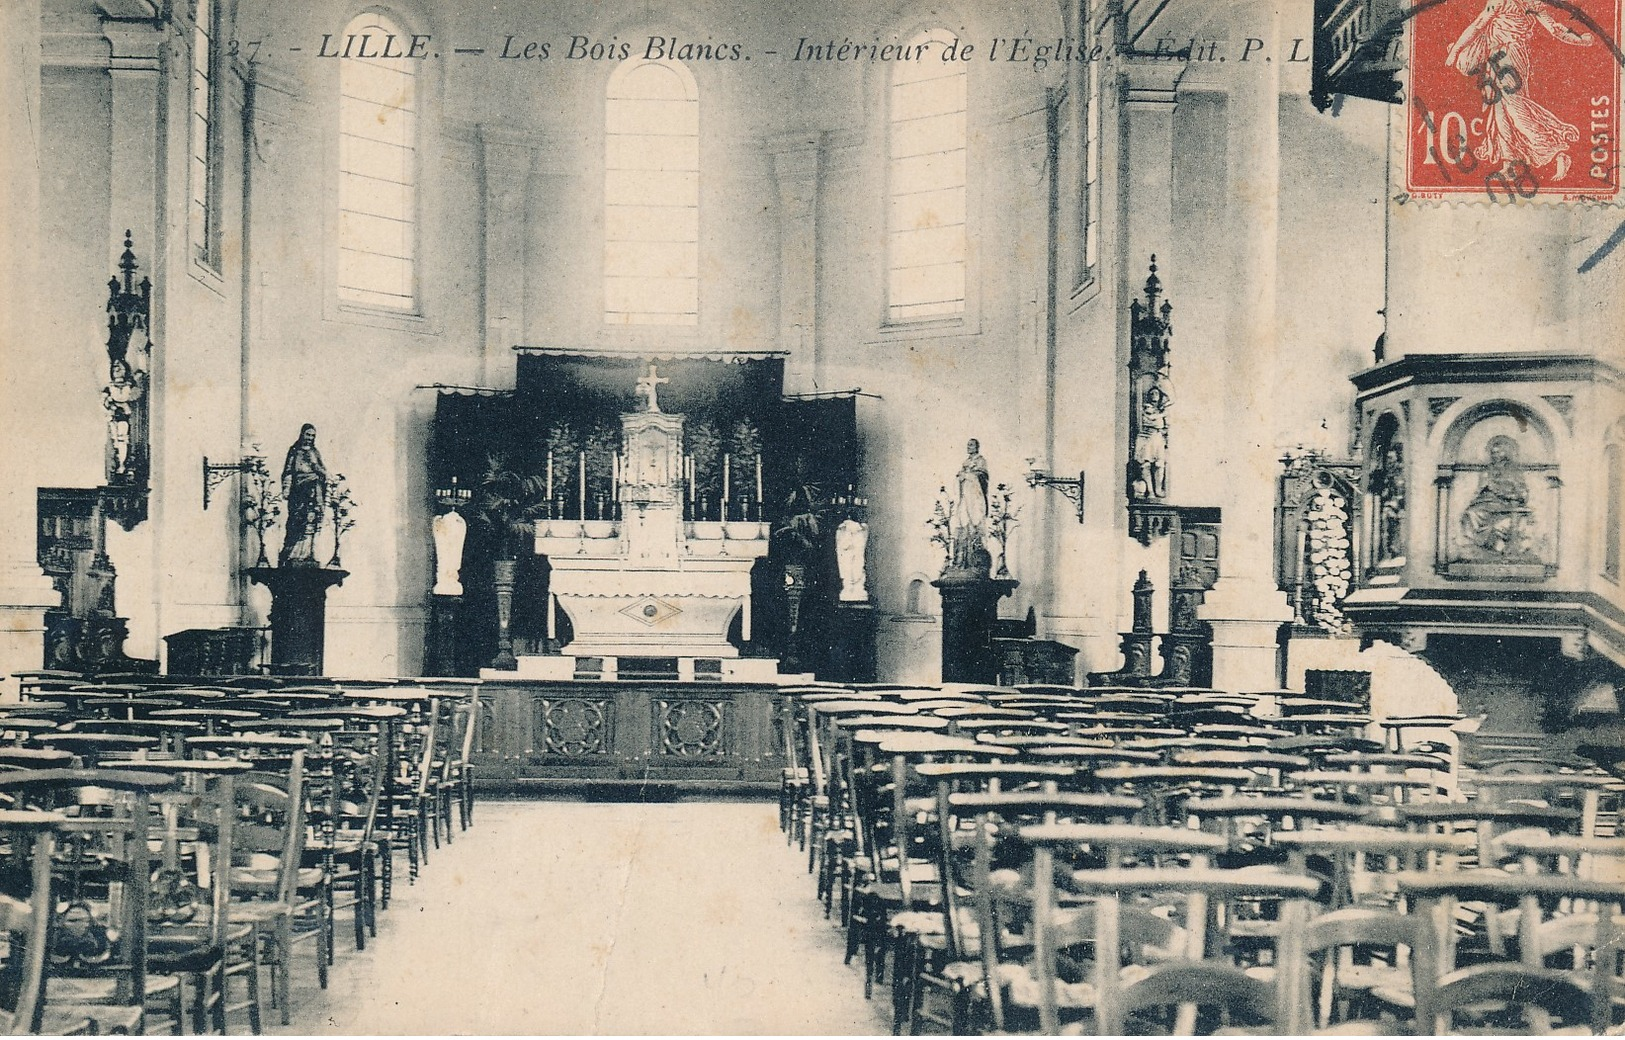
649, 385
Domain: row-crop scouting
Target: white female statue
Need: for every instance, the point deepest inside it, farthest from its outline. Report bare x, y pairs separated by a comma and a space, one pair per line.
449, 531
851, 542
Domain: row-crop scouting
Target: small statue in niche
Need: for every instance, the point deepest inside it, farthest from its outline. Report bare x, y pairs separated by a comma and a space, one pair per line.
1151, 441
304, 488
970, 507
851, 542
122, 396
1388, 485
1499, 521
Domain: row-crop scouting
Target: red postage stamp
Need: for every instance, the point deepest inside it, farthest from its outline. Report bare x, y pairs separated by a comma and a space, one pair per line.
1514, 99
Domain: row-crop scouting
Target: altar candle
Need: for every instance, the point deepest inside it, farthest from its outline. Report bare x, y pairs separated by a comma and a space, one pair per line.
550, 475
583, 489
727, 465
688, 472
615, 475
758, 480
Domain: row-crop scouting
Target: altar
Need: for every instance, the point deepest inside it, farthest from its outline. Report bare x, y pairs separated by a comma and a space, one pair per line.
653, 585
646, 516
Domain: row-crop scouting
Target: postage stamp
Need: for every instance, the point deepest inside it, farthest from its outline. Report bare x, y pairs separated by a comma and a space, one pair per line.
1514, 99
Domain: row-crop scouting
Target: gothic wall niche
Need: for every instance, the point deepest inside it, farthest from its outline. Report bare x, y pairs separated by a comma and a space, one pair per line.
1387, 488
1499, 496
1318, 538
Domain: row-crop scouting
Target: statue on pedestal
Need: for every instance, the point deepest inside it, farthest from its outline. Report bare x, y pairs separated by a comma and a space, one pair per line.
450, 529
851, 541
304, 489
124, 394
970, 510
1151, 441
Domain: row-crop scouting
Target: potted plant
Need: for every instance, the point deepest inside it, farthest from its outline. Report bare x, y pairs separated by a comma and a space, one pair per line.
507, 505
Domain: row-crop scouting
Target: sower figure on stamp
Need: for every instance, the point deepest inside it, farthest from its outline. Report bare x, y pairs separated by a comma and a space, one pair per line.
1494, 51
304, 487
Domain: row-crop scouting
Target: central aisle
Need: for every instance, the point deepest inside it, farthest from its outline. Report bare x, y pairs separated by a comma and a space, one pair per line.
564, 917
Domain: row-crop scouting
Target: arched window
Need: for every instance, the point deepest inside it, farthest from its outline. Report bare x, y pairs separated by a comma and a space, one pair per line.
203, 173
926, 204
1089, 114
651, 195
377, 170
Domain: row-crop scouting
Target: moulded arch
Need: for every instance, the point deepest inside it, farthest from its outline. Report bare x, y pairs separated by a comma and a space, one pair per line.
1461, 430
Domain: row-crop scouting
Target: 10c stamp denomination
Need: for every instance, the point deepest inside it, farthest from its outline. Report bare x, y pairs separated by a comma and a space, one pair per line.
1514, 99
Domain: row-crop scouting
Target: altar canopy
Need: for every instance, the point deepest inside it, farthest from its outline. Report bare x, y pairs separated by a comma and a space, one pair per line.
791, 464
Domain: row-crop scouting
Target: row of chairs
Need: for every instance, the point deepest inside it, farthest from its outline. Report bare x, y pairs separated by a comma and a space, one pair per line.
198, 836
1258, 856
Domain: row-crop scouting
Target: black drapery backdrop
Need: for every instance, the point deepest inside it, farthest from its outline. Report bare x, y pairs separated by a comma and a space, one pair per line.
810, 465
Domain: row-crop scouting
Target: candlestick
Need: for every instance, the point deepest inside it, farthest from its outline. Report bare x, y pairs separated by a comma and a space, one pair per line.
727, 467
582, 491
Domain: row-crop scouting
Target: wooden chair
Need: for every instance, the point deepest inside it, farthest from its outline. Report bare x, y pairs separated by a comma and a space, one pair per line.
26, 908
356, 852
190, 934
276, 892
1394, 948
98, 948
1025, 926
900, 869
364, 849
1512, 983
927, 944
1362, 860
1557, 789
1197, 980
1513, 997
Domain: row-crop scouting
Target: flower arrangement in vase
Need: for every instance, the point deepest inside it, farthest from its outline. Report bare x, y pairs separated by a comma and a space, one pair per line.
341, 507
1000, 519
261, 504
941, 524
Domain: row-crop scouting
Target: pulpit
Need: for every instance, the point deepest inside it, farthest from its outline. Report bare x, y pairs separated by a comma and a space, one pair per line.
651, 583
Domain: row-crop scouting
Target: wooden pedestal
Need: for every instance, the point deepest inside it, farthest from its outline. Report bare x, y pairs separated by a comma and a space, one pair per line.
298, 615
970, 608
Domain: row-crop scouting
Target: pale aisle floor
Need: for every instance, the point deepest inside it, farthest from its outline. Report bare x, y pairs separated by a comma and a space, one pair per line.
598, 918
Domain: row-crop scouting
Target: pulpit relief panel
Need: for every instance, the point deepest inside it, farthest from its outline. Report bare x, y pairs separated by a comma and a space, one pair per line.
1499, 495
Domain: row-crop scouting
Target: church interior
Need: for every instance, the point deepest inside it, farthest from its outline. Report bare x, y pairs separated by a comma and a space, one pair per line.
884, 516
